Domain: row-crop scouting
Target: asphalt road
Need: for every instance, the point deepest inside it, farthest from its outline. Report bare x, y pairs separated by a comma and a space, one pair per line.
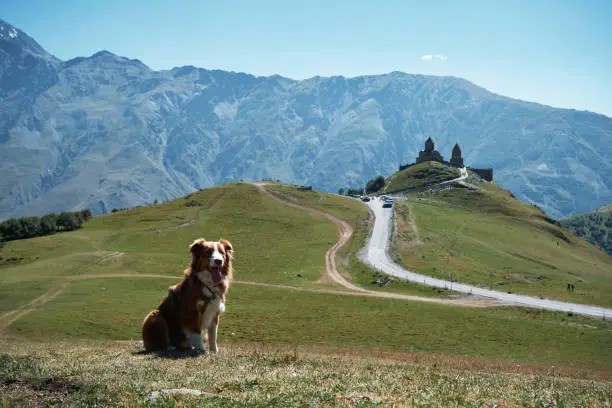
376, 254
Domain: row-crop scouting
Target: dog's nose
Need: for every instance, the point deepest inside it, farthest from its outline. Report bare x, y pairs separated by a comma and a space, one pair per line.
218, 262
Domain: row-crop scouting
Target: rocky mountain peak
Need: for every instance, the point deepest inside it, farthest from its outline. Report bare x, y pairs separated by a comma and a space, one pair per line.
15, 40
105, 131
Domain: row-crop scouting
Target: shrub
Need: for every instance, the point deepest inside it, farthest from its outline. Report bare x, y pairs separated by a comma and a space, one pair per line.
375, 184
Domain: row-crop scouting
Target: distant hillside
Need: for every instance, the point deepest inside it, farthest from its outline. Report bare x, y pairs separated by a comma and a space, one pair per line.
105, 131
595, 227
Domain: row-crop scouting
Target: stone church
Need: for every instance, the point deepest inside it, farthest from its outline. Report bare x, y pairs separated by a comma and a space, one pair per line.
431, 154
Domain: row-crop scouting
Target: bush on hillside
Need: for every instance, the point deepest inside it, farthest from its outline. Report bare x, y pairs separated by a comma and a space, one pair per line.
595, 228
354, 191
375, 184
29, 227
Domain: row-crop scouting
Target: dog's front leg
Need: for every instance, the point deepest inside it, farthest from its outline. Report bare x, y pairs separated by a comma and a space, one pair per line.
195, 339
212, 334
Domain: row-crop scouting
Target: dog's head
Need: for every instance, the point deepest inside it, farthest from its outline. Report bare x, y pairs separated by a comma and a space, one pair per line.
215, 257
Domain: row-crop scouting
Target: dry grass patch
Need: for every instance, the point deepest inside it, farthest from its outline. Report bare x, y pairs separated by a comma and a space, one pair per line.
114, 374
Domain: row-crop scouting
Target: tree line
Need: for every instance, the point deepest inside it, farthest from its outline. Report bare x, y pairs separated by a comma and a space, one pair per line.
371, 186
595, 228
28, 227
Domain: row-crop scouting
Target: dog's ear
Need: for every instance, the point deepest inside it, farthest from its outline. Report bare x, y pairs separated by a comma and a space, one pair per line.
227, 245
196, 245
197, 250
229, 250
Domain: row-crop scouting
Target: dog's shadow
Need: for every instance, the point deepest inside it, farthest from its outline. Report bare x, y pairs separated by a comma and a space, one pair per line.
172, 354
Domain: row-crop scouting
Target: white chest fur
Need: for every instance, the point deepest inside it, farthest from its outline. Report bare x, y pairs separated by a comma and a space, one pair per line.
209, 288
212, 308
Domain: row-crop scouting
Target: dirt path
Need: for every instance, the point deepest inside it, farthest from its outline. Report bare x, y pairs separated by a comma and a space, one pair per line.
332, 274
183, 225
11, 317
14, 315
110, 256
345, 231
360, 292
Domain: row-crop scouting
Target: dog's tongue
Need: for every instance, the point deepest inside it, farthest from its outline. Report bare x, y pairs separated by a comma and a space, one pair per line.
216, 275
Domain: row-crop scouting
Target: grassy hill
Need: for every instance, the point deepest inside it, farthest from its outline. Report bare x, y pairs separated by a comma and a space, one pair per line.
595, 227
356, 214
420, 175
155, 239
605, 209
66, 299
470, 233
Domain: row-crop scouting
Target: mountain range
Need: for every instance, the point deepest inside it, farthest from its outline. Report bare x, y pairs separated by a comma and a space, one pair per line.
106, 131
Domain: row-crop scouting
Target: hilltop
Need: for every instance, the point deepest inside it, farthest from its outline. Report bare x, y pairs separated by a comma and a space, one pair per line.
105, 131
419, 176
605, 209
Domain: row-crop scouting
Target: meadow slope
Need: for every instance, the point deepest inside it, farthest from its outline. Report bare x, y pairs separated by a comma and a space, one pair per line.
68, 294
487, 237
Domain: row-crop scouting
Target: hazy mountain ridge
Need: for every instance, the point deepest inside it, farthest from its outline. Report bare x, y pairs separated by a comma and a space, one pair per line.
106, 131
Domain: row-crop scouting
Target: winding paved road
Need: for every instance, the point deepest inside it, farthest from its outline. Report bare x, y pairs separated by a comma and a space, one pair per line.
376, 255
344, 234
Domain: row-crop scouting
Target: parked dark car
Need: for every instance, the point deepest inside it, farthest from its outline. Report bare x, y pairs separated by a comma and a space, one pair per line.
365, 198
387, 204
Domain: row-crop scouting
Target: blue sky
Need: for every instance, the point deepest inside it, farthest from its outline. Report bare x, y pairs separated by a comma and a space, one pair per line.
554, 52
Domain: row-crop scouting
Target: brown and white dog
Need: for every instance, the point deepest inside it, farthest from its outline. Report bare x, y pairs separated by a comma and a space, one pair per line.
195, 303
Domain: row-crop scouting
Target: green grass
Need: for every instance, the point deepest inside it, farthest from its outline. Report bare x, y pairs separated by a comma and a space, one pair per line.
470, 233
55, 358
420, 175
356, 214
107, 309
261, 230
110, 374
605, 209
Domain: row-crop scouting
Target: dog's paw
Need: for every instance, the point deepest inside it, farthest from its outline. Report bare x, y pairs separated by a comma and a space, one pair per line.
200, 350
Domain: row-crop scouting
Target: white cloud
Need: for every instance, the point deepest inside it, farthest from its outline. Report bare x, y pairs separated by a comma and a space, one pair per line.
431, 57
